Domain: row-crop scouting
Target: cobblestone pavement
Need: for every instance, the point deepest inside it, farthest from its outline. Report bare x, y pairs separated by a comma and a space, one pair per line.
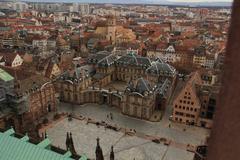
192, 135
125, 147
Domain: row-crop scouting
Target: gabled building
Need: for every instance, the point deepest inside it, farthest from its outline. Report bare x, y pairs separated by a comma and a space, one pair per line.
199, 58
12, 59
53, 70
2, 60
187, 104
195, 104
168, 54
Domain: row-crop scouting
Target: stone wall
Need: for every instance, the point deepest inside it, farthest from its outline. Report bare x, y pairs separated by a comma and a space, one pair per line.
138, 106
93, 96
41, 102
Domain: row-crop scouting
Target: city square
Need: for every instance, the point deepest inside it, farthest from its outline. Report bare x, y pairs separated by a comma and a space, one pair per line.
125, 147
192, 135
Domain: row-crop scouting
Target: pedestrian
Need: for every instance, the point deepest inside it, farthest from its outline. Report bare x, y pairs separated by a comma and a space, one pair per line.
111, 116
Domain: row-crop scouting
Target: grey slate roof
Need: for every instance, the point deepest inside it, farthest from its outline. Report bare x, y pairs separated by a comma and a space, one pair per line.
95, 58
134, 60
102, 58
83, 71
142, 86
163, 88
107, 61
161, 69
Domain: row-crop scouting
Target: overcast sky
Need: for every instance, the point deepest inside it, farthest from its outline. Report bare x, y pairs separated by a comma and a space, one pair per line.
200, 0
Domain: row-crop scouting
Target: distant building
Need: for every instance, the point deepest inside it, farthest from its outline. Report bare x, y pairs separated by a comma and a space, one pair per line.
40, 43
221, 59
199, 58
51, 43
11, 59
51, 7
83, 9
20, 6
209, 62
53, 70
115, 33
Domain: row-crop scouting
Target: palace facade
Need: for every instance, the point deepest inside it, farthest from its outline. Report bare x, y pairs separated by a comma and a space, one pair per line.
149, 84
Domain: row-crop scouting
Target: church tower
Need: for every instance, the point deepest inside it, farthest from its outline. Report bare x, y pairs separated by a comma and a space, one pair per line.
98, 152
112, 154
111, 29
69, 143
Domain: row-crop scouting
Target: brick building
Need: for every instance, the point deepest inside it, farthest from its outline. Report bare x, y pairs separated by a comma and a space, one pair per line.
31, 99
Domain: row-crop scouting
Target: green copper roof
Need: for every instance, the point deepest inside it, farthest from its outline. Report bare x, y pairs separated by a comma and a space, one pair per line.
45, 143
5, 76
12, 148
84, 157
25, 138
9, 132
67, 154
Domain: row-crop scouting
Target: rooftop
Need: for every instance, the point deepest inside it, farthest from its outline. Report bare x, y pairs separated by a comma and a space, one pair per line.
5, 76
19, 149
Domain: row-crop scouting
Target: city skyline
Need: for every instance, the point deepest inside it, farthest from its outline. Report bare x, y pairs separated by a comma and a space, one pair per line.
200, 2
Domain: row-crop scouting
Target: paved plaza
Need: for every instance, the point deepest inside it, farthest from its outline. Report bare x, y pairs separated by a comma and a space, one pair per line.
192, 135
125, 147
